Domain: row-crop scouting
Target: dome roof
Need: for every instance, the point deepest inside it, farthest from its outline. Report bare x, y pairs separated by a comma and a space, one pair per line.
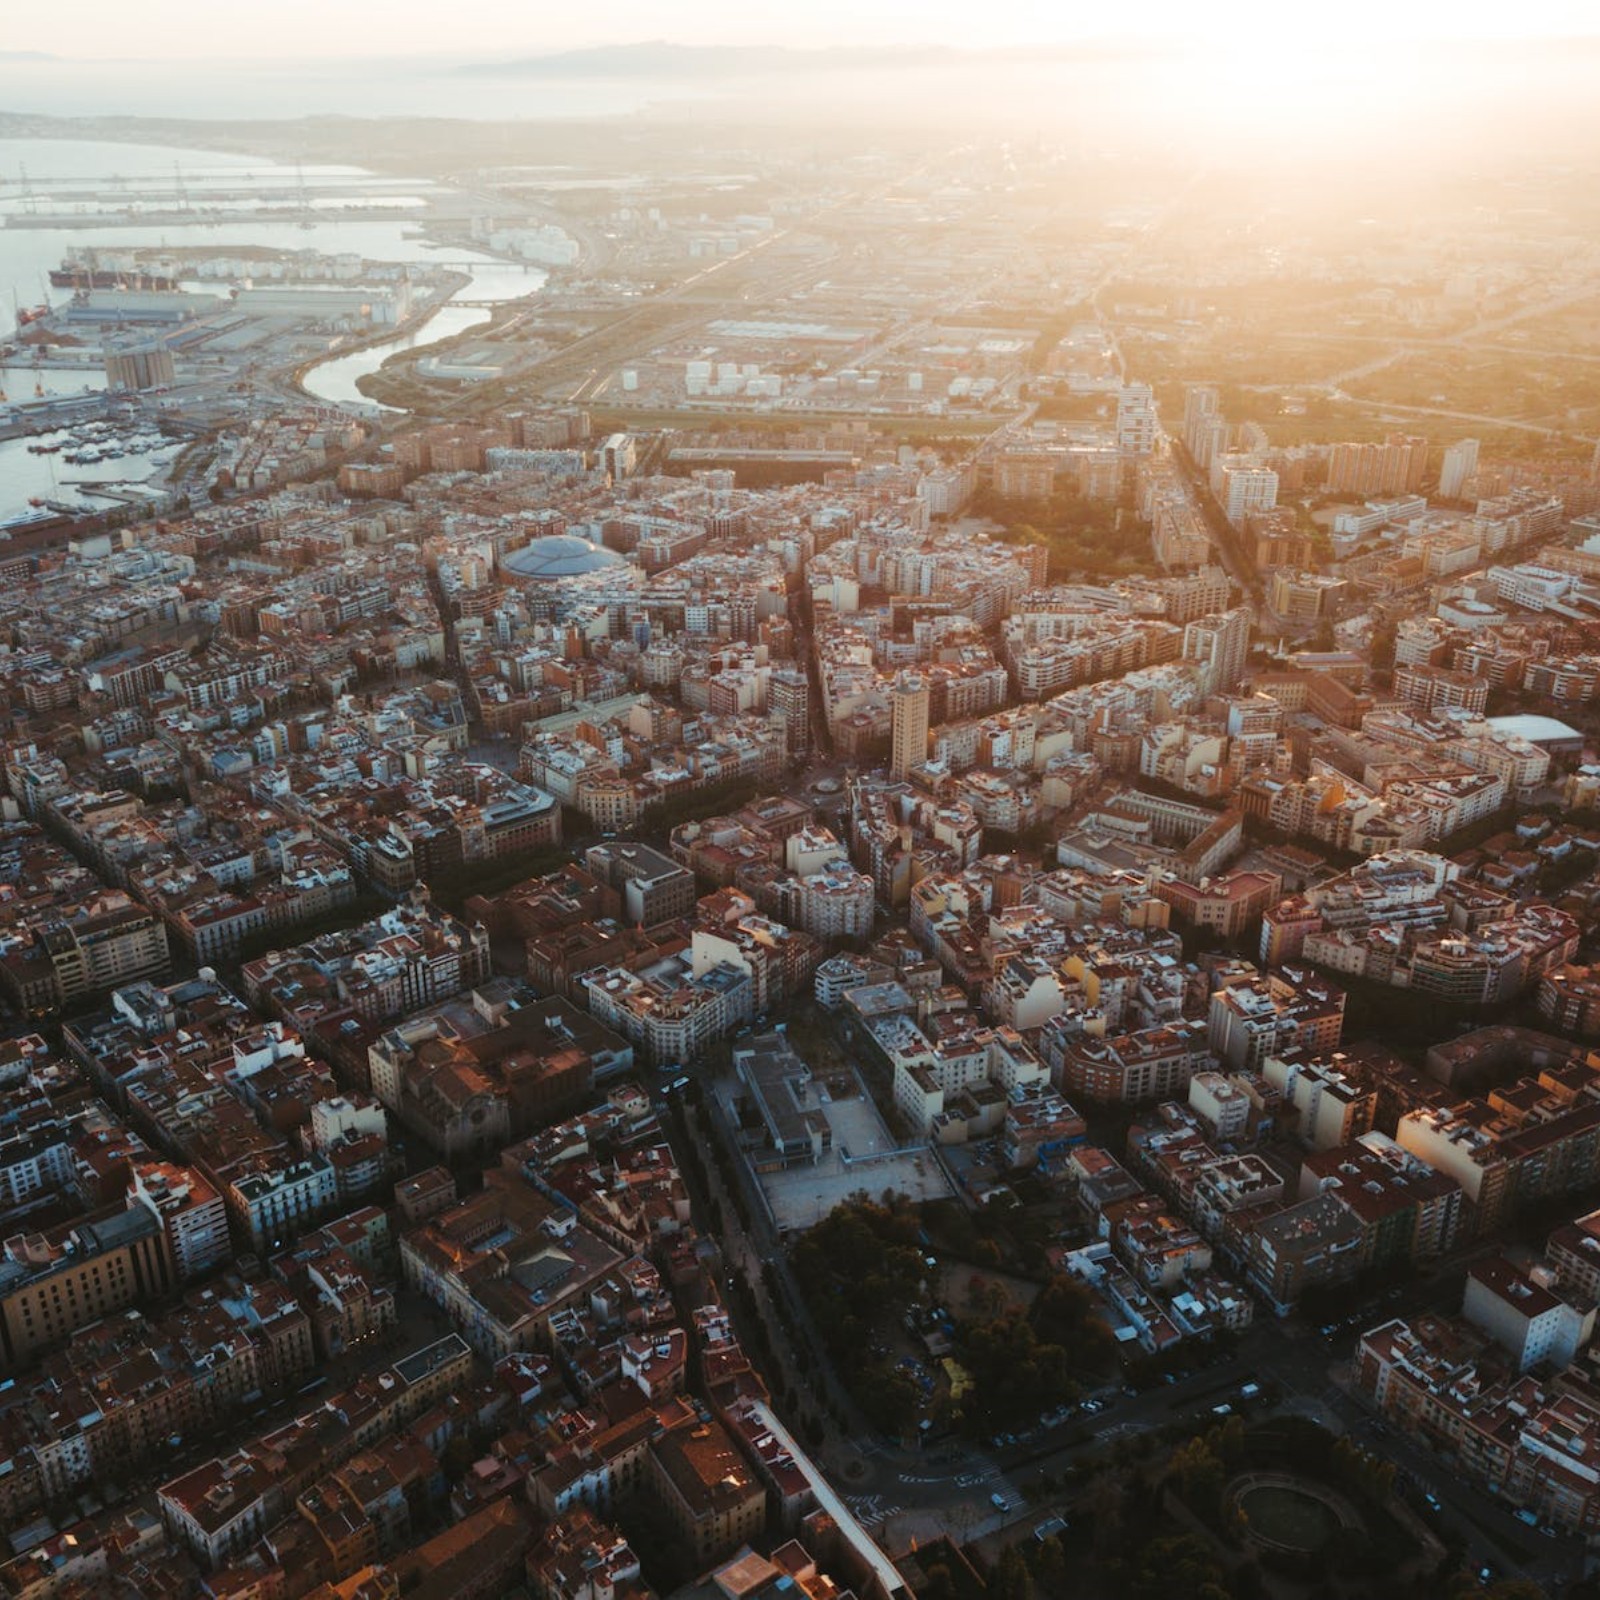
560, 555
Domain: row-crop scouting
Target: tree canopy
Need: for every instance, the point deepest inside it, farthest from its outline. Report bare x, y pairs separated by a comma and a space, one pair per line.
860, 1269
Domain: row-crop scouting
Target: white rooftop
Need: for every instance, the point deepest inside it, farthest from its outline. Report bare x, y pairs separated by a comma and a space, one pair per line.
1534, 728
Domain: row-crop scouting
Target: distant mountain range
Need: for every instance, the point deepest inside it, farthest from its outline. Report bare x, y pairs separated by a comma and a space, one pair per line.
659, 59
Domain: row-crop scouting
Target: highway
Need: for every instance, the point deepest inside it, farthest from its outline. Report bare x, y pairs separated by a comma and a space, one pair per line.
1384, 407
571, 372
581, 369
1469, 336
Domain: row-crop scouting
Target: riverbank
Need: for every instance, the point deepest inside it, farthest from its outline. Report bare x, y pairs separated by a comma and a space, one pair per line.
409, 329
364, 376
397, 385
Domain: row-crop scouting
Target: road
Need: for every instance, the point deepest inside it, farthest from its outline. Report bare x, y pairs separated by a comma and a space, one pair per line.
1467, 336
977, 1492
1225, 539
582, 369
1473, 337
1391, 344
913, 1497
1383, 406
578, 368
822, 1391
582, 366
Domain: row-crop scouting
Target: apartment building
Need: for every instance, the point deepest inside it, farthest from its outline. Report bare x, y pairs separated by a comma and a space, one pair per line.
711, 1495
1329, 1108
653, 887
53, 1283
275, 1204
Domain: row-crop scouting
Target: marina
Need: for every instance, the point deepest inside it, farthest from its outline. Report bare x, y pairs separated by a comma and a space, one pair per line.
278, 279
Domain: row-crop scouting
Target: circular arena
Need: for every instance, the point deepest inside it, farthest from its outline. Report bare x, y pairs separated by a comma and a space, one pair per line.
1294, 1515
559, 555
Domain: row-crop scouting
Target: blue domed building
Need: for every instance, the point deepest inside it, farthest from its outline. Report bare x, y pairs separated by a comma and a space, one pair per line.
559, 555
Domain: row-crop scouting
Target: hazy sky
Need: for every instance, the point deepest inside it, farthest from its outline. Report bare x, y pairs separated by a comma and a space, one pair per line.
261, 29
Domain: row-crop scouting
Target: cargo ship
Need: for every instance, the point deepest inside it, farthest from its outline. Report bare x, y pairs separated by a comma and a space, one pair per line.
68, 277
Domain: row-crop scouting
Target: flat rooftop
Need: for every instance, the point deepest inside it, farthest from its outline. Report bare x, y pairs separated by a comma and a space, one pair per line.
1536, 729
864, 1155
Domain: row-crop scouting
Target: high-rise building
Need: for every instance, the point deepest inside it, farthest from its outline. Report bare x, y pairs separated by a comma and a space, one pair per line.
619, 456
910, 740
1393, 467
1210, 441
789, 694
1201, 411
274, 1204
1332, 1107
115, 943
1136, 419
53, 1283
1195, 594
1460, 463
192, 1212
1221, 644
1247, 489
653, 887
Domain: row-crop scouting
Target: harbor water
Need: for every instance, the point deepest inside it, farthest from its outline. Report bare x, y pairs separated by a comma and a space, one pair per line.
44, 175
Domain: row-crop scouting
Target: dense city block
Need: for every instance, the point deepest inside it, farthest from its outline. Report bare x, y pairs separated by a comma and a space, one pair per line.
890, 887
